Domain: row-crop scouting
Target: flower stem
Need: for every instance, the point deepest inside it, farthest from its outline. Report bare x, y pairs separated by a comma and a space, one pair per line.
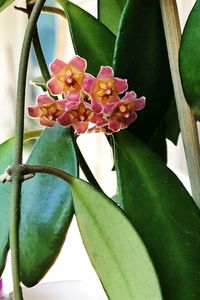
186, 118
19, 130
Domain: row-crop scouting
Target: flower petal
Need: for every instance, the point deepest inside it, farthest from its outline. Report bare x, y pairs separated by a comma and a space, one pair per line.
55, 86
44, 121
139, 103
96, 106
105, 72
81, 127
65, 119
114, 125
121, 85
129, 96
109, 108
78, 63
73, 97
57, 65
88, 83
43, 99
34, 111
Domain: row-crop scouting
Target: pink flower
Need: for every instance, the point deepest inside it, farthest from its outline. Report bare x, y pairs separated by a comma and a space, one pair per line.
78, 113
104, 89
47, 110
67, 77
123, 114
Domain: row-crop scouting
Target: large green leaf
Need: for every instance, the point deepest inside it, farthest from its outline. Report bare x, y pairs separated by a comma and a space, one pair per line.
5, 3
164, 214
190, 59
91, 39
141, 57
105, 8
46, 207
115, 249
6, 159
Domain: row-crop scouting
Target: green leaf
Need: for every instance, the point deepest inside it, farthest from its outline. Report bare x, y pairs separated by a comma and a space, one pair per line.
46, 207
141, 56
6, 159
91, 39
164, 214
115, 249
105, 8
190, 59
4, 4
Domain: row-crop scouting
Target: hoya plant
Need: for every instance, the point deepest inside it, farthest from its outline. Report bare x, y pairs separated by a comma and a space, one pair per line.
134, 78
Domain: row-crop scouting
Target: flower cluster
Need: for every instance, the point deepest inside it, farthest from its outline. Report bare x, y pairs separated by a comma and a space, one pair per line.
88, 104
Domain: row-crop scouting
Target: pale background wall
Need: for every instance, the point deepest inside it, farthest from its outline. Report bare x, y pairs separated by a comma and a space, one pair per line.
73, 262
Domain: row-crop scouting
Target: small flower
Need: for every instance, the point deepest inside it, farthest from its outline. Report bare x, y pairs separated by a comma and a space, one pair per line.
67, 77
78, 113
47, 110
123, 114
104, 89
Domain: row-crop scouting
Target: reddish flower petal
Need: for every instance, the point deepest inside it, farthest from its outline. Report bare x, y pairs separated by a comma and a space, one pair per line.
78, 63
73, 97
47, 122
96, 106
80, 127
88, 83
43, 99
105, 72
114, 125
139, 103
34, 111
55, 86
57, 65
65, 119
109, 108
129, 96
121, 85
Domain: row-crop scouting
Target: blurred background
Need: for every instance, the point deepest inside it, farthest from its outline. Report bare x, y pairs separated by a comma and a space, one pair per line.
73, 263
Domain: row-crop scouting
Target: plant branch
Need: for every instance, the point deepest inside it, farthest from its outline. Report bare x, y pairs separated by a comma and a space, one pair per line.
186, 118
19, 129
32, 169
53, 10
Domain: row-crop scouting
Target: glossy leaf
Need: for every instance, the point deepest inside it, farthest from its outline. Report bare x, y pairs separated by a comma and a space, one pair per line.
190, 59
105, 8
114, 246
46, 208
164, 214
141, 57
6, 159
91, 39
5, 3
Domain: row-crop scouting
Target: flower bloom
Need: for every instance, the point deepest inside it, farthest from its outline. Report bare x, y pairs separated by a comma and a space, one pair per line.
67, 77
104, 89
122, 115
78, 113
90, 104
47, 110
